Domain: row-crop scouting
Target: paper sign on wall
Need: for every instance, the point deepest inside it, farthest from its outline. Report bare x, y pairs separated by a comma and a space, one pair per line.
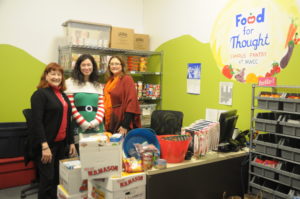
193, 78
225, 96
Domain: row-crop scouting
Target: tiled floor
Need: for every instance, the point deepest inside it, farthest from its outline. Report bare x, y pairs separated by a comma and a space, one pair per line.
15, 193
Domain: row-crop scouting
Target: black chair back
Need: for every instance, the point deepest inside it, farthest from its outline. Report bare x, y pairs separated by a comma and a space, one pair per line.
28, 152
165, 122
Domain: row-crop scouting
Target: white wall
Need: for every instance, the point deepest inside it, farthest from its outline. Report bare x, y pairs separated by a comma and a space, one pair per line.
35, 25
168, 19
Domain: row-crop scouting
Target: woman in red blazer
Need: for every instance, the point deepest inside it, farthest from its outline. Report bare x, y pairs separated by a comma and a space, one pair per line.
122, 109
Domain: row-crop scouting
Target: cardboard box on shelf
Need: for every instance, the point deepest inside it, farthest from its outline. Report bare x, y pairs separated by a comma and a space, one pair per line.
87, 33
70, 176
122, 38
127, 186
100, 160
63, 194
141, 42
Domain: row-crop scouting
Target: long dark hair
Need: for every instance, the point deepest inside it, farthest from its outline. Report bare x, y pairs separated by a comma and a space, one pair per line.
78, 76
109, 74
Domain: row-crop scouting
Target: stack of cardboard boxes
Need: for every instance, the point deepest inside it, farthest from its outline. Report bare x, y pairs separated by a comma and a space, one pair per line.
91, 34
125, 38
98, 173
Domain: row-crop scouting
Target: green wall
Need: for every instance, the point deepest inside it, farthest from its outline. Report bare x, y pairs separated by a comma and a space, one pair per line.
20, 73
186, 49
19, 76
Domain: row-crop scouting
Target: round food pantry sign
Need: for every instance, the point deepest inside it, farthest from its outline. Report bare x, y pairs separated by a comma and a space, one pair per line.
252, 39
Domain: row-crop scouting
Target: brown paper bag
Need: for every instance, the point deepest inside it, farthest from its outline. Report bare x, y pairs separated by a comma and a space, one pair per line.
230, 197
251, 196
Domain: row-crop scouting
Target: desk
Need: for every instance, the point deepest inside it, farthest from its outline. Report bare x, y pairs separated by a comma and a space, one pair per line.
206, 178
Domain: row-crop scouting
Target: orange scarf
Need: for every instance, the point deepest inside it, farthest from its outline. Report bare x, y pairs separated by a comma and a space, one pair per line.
110, 85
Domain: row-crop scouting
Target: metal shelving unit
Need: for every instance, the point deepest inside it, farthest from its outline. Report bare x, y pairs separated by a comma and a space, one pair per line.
152, 75
274, 168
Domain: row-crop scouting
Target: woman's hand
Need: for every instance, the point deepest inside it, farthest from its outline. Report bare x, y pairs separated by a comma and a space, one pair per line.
72, 150
94, 124
46, 155
122, 130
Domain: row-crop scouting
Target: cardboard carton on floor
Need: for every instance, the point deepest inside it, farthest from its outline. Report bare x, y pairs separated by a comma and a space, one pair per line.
100, 160
129, 186
63, 194
70, 176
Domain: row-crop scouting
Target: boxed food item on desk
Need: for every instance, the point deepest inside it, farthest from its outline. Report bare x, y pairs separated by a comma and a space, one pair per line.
122, 38
70, 176
87, 33
146, 112
141, 42
100, 159
131, 186
63, 194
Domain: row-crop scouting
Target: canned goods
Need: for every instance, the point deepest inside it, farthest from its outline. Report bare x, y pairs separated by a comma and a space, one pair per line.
147, 159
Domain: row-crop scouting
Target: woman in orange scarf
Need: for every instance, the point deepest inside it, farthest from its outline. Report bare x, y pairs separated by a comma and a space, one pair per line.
122, 109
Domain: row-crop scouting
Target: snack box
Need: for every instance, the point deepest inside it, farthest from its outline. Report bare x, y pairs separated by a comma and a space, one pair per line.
63, 194
128, 186
70, 176
99, 158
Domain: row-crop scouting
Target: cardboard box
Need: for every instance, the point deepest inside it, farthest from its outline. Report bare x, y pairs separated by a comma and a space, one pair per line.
100, 160
141, 42
63, 194
129, 186
122, 38
87, 33
70, 176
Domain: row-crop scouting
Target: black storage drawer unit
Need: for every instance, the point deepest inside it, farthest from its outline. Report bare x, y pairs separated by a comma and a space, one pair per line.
12, 137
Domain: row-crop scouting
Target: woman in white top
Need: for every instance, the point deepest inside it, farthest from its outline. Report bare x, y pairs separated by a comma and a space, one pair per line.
86, 95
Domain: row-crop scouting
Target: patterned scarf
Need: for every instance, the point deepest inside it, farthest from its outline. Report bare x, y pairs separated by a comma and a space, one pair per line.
110, 85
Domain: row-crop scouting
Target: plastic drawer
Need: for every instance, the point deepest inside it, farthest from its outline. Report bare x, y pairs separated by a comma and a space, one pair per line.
290, 128
257, 182
291, 105
256, 185
266, 143
284, 173
268, 189
263, 170
296, 177
255, 191
269, 103
267, 126
257, 170
283, 192
290, 149
285, 179
266, 122
269, 174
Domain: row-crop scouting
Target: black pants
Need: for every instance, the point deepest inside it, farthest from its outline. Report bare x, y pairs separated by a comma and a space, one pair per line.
49, 173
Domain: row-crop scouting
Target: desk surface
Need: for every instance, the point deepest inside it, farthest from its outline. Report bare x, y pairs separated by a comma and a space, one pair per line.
208, 158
